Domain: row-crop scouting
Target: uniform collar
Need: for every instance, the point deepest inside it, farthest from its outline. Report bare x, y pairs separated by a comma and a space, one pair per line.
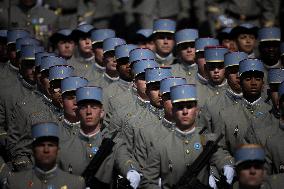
70, 124
110, 78
161, 60
142, 102
125, 83
99, 67
156, 111
89, 137
218, 86
86, 60
184, 134
201, 79
168, 124
28, 85
234, 95
253, 105
45, 175
251, 55
12, 67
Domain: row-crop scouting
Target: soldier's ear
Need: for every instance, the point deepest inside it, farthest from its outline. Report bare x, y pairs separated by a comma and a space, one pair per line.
102, 114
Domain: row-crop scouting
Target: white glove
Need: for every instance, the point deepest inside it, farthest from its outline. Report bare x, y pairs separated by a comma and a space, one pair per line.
212, 182
229, 173
134, 178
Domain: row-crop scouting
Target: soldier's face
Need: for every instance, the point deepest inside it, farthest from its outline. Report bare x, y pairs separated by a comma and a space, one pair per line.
124, 70
251, 175
45, 154
69, 104
27, 69
66, 48
230, 44
153, 93
150, 45
246, 43
164, 43
44, 81
98, 50
85, 45
252, 84
167, 105
187, 52
141, 84
11, 48
110, 61
185, 114
55, 93
233, 78
269, 52
90, 114
216, 72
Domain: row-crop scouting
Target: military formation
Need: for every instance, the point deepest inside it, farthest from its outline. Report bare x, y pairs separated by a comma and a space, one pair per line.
89, 100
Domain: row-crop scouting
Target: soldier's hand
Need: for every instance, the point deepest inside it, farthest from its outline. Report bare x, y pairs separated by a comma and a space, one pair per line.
212, 182
134, 178
229, 173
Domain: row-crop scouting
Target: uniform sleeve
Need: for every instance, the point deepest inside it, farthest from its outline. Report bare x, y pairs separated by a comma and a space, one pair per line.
151, 173
268, 158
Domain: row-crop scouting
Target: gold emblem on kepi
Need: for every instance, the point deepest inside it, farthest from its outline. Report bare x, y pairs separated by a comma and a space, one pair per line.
64, 187
62, 72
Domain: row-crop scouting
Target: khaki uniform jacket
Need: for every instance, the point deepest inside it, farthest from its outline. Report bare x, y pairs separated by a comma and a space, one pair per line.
37, 179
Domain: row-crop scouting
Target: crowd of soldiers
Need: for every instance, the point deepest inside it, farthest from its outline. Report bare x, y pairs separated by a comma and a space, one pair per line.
81, 107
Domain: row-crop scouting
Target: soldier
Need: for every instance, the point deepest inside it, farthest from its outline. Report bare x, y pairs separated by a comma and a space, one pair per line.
63, 43
275, 158
110, 75
245, 36
77, 152
84, 58
226, 39
173, 153
45, 174
67, 12
163, 37
36, 19
236, 119
269, 48
215, 68
3, 47
185, 49
147, 136
250, 169
144, 39
209, 113
10, 70
70, 124
32, 109
125, 76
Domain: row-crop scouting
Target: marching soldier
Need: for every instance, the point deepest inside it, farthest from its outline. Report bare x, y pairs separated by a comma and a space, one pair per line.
110, 75
84, 58
245, 36
163, 37
45, 173
63, 43
77, 152
144, 39
70, 123
185, 45
232, 95
173, 153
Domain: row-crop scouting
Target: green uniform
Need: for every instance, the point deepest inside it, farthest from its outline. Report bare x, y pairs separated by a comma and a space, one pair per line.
235, 120
147, 137
38, 20
38, 179
68, 129
209, 113
104, 81
95, 73
201, 87
76, 154
275, 181
186, 71
172, 155
30, 110
275, 155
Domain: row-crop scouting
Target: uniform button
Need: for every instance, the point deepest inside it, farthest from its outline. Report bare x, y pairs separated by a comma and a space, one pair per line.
28, 23
44, 181
189, 73
187, 151
217, 93
28, 15
251, 111
90, 156
186, 141
90, 145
